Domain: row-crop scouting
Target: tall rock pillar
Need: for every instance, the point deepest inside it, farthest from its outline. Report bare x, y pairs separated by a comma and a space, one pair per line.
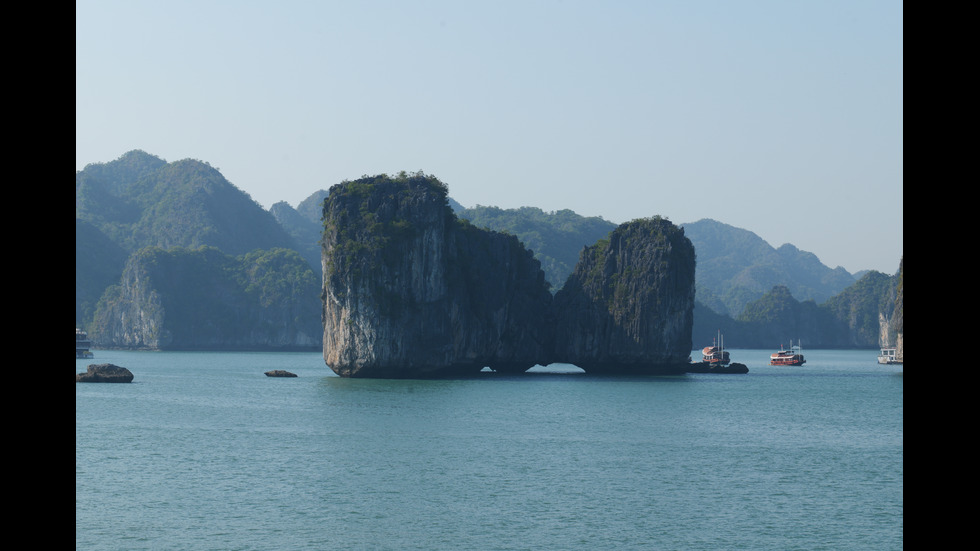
629, 305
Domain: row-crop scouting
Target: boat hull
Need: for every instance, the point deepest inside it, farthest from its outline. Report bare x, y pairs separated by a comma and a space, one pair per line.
705, 367
787, 362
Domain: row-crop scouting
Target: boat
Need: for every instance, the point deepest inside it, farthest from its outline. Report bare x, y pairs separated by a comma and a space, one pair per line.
716, 353
788, 356
82, 345
888, 357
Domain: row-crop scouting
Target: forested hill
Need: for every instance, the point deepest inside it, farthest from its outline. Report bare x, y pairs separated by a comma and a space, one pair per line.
304, 223
736, 267
203, 299
867, 314
556, 238
139, 200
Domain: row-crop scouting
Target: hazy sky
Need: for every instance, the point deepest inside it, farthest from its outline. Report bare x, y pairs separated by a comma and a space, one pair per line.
781, 117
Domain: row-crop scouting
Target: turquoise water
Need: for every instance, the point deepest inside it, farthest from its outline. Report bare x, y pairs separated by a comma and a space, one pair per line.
203, 451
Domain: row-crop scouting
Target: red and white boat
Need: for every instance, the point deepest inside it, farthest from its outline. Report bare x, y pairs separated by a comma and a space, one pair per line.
716, 353
788, 356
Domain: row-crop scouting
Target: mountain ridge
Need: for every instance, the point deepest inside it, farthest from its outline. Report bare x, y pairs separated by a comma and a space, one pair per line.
736, 266
141, 200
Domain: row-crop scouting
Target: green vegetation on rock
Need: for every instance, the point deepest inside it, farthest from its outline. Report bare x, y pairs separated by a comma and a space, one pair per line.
628, 306
204, 299
411, 290
139, 206
556, 238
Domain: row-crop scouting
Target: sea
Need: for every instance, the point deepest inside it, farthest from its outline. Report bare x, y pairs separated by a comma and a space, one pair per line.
203, 451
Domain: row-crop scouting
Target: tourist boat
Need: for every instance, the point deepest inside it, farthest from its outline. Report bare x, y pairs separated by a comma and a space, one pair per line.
716, 353
788, 356
82, 345
888, 357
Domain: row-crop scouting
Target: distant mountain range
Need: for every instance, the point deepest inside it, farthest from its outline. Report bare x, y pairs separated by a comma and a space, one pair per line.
140, 200
736, 267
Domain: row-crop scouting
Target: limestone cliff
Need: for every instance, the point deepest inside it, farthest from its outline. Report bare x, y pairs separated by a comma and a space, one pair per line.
183, 299
893, 325
412, 291
899, 317
130, 315
628, 306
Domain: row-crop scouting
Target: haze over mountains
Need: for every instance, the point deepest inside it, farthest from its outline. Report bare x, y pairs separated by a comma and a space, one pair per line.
140, 200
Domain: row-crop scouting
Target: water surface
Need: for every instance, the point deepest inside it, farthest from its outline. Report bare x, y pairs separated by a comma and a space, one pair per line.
203, 451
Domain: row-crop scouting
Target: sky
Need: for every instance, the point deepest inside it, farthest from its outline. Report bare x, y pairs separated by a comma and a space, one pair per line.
784, 118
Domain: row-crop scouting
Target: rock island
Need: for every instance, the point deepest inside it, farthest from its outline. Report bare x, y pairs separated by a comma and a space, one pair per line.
412, 291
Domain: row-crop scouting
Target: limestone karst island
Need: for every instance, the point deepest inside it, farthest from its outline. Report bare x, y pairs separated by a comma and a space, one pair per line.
410, 290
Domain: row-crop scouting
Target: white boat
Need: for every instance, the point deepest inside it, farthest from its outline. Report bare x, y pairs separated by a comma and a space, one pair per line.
82, 345
888, 357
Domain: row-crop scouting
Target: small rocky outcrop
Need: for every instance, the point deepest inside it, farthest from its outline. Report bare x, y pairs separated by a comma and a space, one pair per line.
105, 373
279, 373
